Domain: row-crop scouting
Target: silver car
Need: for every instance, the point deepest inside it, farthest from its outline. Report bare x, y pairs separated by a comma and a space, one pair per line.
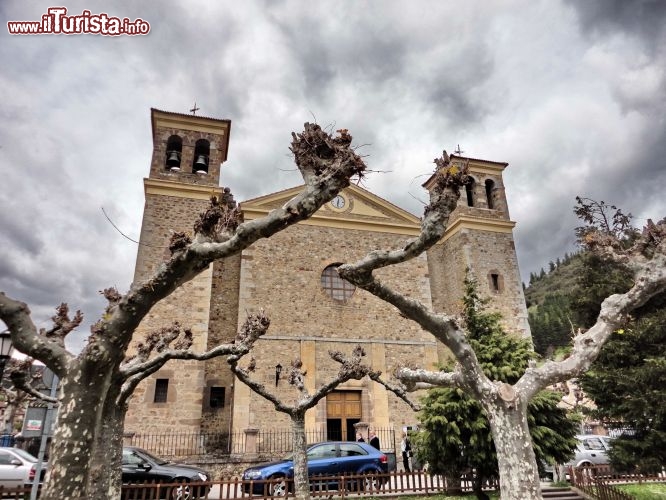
18, 468
591, 450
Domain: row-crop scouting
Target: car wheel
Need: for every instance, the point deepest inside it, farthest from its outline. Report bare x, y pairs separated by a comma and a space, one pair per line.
182, 491
371, 482
279, 486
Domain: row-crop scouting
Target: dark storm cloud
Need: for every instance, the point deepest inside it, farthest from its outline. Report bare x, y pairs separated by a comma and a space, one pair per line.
642, 18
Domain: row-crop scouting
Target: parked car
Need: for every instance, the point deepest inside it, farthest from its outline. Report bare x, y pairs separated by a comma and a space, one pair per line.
139, 466
591, 450
18, 468
329, 460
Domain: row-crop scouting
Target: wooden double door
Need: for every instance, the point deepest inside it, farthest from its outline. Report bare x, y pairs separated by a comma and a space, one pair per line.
343, 410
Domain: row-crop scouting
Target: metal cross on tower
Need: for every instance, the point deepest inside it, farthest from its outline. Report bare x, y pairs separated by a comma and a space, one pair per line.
194, 109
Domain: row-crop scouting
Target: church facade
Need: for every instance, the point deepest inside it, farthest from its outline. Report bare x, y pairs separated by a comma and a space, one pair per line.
292, 277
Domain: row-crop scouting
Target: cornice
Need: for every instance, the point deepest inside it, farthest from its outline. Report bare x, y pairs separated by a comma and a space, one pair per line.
478, 224
251, 213
179, 189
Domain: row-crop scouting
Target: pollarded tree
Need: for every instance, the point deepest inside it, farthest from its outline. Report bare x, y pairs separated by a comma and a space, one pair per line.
90, 381
351, 367
456, 436
506, 404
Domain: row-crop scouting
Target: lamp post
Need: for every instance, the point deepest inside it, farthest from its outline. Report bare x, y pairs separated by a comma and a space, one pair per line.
278, 370
6, 348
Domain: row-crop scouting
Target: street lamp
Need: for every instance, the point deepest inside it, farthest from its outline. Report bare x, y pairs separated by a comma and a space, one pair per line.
278, 370
6, 349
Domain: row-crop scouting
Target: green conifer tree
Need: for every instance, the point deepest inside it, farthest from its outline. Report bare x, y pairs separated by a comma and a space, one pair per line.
456, 437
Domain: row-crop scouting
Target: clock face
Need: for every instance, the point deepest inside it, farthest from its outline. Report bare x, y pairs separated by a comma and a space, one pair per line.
338, 202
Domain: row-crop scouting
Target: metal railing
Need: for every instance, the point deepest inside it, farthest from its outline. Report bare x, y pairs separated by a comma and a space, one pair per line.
269, 441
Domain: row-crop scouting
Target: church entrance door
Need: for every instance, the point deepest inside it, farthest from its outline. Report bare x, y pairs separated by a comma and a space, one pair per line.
343, 410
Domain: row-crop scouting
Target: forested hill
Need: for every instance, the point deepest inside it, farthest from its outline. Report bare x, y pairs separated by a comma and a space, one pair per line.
561, 276
549, 299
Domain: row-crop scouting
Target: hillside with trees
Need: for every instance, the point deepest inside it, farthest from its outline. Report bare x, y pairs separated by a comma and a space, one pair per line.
626, 380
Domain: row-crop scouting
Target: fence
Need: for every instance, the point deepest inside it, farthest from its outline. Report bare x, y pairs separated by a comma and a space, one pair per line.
597, 481
270, 441
321, 486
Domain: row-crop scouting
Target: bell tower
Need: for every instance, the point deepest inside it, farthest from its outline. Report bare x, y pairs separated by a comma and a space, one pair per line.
479, 237
188, 151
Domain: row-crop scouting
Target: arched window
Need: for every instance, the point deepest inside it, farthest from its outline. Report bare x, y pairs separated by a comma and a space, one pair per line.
490, 185
337, 288
201, 157
495, 282
469, 189
174, 151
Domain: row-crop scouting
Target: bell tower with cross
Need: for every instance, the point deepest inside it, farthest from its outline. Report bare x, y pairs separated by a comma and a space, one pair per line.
479, 237
188, 150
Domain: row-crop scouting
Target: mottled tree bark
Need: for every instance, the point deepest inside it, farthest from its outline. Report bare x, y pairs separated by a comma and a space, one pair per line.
105, 478
82, 393
519, 475
301, 480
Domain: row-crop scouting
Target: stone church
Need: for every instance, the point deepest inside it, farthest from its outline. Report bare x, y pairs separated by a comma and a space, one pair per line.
292, 277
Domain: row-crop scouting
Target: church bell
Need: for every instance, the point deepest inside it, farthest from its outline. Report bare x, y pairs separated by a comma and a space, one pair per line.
201, 165
173, 161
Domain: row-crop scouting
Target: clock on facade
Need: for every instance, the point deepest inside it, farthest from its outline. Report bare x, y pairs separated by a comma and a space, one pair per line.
338, 202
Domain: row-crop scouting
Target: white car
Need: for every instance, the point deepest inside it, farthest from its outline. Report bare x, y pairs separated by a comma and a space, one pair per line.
18, 468
591, 450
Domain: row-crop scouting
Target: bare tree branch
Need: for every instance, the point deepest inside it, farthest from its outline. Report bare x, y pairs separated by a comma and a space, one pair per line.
138, 368
20, 381
398, 389
648, 260
27, 339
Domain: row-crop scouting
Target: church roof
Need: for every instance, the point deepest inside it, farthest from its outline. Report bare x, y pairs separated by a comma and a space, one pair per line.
357, 208
476, 165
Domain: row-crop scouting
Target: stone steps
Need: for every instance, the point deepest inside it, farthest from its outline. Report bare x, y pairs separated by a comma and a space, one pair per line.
560, 494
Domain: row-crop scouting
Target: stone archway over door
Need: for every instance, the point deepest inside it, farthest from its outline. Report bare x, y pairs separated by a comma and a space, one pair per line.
343, 410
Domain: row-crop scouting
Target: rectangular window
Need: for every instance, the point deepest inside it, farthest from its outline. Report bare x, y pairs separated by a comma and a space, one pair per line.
495, 280
161, 390
216, 397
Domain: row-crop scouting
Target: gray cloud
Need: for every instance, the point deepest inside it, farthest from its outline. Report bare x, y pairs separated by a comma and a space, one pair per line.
571, 94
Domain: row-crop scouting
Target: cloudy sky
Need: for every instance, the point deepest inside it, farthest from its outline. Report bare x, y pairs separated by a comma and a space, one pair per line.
572, 94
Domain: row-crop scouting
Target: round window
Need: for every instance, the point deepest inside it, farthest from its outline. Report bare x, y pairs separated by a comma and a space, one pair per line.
336, 287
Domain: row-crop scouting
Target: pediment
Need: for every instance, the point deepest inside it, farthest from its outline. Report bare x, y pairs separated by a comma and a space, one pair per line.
356, 208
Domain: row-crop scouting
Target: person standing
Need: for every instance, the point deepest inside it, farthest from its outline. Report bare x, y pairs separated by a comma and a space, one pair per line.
374, 440
359, 437
406, 449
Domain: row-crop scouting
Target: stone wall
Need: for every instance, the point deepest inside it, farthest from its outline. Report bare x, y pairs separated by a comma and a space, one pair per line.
283, 277
485, 253
189, 305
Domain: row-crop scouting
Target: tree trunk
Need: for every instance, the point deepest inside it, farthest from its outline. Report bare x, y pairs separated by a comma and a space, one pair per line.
82, 392
301, 479
10, 415
105, 481
519, 475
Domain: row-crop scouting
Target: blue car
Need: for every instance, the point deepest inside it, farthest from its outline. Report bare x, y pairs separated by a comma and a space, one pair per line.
328, 460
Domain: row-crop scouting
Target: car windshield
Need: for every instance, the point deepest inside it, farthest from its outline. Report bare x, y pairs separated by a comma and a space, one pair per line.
24, 455
158, 461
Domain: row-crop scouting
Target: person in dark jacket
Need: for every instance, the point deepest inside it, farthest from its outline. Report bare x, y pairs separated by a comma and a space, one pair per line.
406, 449
374, 440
